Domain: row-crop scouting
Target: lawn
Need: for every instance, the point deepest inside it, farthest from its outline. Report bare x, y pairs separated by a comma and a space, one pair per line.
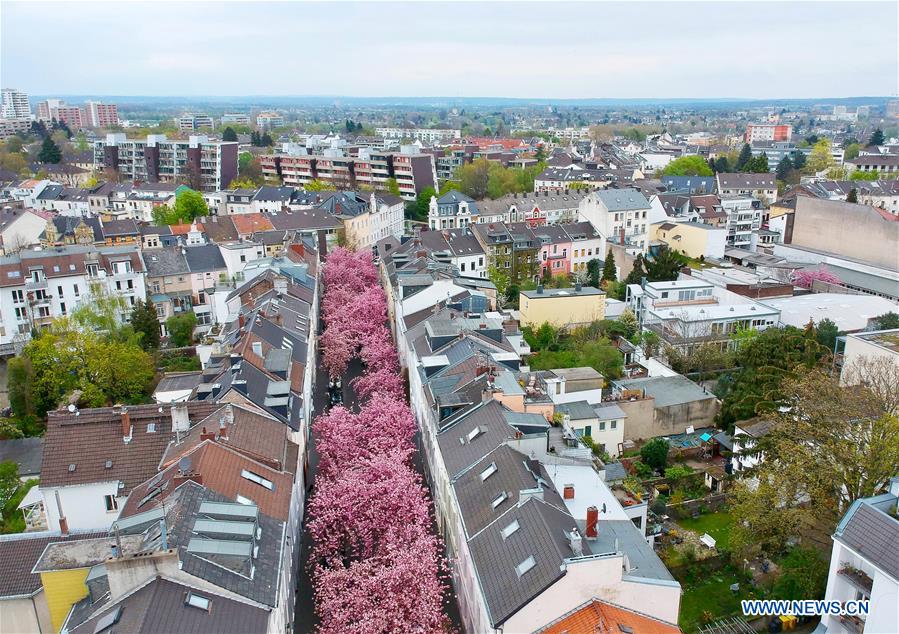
715, 524
712, 595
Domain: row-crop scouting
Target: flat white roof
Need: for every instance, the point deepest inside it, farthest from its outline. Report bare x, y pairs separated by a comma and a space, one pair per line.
848, 312
715, 312
589, 490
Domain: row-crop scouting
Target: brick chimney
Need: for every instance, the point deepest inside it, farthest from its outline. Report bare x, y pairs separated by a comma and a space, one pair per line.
126, 425
592, 522
568, 492
63, 524
206, 435
621, 234
241, 320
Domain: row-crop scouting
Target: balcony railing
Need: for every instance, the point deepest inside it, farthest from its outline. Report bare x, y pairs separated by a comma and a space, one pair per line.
852, 624
857, 578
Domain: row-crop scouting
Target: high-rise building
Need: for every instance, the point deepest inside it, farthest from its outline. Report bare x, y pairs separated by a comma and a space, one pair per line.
72, 116
194, 121
269, 120
236, 118
768, 132
15, 104
102, 115
197, 162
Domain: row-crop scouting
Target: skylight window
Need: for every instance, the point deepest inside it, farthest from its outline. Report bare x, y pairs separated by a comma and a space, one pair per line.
242, 500
108, 620
198, 601
489, 471
499, 499
258, 479
509, 530
474, 433
524, 566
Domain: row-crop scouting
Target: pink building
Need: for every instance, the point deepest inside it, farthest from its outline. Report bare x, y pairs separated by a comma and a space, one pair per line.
101, 115
555, 249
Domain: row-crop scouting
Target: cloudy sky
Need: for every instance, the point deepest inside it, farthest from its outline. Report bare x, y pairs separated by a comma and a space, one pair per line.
462, 49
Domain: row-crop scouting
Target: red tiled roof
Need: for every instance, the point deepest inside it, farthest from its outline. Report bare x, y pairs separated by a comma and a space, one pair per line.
599, 617
89, 438
251, 223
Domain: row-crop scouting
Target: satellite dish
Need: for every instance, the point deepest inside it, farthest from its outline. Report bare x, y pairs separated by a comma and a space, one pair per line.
184, 464
71, 408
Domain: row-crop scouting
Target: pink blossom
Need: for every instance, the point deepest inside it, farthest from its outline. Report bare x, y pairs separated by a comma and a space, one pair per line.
805, 277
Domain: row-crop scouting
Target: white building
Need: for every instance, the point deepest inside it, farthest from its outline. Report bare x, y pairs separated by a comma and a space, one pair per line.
744, 219
425, 135
746, 436
863, 565
869, 346
623, 216
19, 228
14, 104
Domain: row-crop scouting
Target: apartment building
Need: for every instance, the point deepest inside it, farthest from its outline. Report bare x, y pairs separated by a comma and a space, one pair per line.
767, 132
198, 162
236, 118
193, 121
101, 115
863, 564
776, 151
512, 248
425, 135
36, 287
295, 167
762, 186
58, 110
12, 127
269, 120
690, 312
887, 164
622, 215
14, 104
744, 220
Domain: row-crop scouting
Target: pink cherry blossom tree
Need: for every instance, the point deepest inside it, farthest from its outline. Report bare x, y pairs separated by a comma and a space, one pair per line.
805, 277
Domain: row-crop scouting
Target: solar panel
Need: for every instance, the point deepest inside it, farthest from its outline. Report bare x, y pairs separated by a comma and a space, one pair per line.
220, 547
229, 529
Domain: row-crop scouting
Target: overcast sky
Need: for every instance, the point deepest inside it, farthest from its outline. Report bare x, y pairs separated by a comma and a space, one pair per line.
538, 50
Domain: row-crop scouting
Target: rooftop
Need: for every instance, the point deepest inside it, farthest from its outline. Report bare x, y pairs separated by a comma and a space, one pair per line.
667, 390
848, 312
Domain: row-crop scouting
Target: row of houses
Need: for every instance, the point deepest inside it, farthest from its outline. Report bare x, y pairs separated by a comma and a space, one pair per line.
181, 516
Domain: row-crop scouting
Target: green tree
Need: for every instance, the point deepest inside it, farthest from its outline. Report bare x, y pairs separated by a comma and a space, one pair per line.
392, 186
859, 175
638, 272
473, 178
784, 168
593, 272
540, 154
13, 145
629, 322
745, 156
181, 329
757, 165
877, 137
145, 322
318, 186
798, 159
266, 140
688, 166
852, 196
500, 278
164, 215
228, 134
189, 205
423, 203
722, 165
248, 168
851, 151
665, 266
803, 575
655, 454
50, 152
821, 158
18, 371
887, 321
826, 333
9, 480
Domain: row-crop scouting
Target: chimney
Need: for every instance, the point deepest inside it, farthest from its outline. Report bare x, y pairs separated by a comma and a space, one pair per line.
540, 289
576, 543
63, 523
126, 425
206, 435
127, 572
621, 234
592, 522
298, 248
568, 492
577, 287
180, 417
241, 320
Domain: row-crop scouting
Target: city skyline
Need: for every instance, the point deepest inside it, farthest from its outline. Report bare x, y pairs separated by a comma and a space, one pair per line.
700, 50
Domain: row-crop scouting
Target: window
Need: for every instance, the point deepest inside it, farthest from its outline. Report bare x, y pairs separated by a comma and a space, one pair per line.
489, 471
108, 620
59, 291
111, 503
151, 428
242, 500
77, 292
197, 601
18, 296
21, 313
258, 479
525, 565
602, 425
499, 499
614, 424
62, 308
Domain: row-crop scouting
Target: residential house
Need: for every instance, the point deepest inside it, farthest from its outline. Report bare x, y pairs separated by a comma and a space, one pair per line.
864, 564
562, 307
623, 216
452, 209
20, 228
694, 239
663, 406
761, 186
747, 433
603, 423
861, 347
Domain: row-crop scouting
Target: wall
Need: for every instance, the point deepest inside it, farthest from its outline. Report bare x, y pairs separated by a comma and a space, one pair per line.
63, 589
601, 578
640, 419
859, 348
676, 418
83, 505
846, 229
569, 310
26, 614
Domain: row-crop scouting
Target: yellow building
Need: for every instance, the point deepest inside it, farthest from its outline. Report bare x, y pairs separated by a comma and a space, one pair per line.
693, 239
568, 307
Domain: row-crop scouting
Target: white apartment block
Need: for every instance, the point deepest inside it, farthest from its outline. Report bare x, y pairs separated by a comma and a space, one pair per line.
623, 216
425, 135
236, 118
14, 104
193, 121
744, 219
39, 286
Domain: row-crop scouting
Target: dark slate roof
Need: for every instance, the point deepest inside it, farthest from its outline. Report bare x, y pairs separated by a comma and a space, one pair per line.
872, 533
18, 555
541, 535
124, 227
165, 261
160, 606
746, 181
220, 229
25, 452
490, 420
344, 204
204, 258
281, 194
578, 410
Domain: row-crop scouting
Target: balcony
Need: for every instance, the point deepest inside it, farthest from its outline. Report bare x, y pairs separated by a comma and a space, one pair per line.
857, 578
32, 285
852, 624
